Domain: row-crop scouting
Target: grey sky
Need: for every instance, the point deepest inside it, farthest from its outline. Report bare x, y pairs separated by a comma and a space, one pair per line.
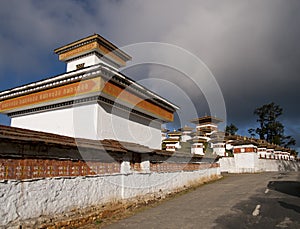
251, 47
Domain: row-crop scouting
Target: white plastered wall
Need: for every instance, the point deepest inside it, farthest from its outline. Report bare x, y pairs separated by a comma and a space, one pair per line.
23, 200
62, 121
92, 122
185, 137
87, 61
231, 165
246, 162
111, 126
219, 151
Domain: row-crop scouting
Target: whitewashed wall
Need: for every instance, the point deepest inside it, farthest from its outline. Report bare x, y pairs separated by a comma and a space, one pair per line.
185, 137
92, 122
114, 126
231, 165
87, 61
246, 162
278, 165
219, 151
62, 121
23, 200
227, 164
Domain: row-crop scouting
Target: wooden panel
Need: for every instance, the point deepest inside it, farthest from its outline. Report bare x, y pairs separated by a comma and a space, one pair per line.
81, 88
19, 169
176, 167
66, 91
91, 47
124, 95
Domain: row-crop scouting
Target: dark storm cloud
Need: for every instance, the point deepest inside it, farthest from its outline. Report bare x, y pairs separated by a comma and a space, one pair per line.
251, 47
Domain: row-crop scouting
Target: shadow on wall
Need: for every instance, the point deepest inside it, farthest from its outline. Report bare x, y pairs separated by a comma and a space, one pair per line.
288, 166
288, 187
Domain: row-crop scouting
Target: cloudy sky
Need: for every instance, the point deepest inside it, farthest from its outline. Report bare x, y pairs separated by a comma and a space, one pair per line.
251, 47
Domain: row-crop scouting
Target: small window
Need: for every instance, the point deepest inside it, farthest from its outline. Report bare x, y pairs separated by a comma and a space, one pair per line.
79, 66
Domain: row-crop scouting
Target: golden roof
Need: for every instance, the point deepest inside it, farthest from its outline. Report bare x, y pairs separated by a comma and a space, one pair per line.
206, 119
93, 43
186, 128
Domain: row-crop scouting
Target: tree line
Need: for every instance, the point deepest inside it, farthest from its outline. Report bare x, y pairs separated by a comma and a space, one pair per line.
270, 128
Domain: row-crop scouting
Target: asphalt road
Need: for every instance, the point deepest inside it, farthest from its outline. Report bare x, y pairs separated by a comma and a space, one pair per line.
266, 200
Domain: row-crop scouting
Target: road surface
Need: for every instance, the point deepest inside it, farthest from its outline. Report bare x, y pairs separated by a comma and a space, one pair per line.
266, 200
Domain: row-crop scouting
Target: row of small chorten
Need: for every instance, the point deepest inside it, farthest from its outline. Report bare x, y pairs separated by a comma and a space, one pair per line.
206, 133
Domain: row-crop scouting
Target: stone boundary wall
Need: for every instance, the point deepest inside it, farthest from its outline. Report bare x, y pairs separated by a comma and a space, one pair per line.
43, 175
268, 165
30, 199
230, 165
227, 165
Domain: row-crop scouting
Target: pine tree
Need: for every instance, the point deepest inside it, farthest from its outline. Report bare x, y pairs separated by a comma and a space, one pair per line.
231, 129
270, 128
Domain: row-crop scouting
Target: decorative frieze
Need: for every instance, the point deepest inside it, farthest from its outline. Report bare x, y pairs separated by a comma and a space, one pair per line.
20, 169
175, 167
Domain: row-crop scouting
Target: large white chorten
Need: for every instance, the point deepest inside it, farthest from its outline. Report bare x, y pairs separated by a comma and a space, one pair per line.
91, 100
